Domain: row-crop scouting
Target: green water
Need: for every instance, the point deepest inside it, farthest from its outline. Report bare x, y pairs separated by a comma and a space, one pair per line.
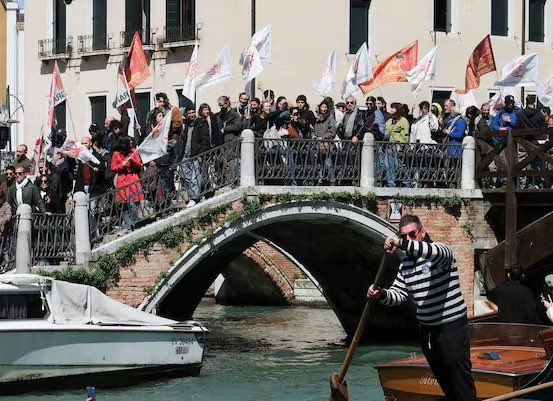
260, 353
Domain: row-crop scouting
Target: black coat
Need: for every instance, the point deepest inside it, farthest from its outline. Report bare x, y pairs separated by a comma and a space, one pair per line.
260, 124
516, 303
30, 195
230, 122
79, 176
200, 141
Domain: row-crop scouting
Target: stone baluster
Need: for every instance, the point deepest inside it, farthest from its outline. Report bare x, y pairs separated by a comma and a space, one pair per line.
82, 230
247, 162
468, 167
23, 251
367, 162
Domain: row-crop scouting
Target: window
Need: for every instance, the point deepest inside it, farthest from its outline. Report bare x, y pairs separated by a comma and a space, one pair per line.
137, 18
59, 25
358, 24
440, 96
97, 110
99, 24
442, 16
59, 115
180, 19
500, 19
22, 306
536, 21
142, 107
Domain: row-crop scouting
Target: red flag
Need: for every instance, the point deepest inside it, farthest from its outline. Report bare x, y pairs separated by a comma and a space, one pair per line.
138, 70
57, 95
393, 69
481, 62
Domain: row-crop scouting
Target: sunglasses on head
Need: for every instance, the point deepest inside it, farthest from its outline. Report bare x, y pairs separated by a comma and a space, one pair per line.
411, 234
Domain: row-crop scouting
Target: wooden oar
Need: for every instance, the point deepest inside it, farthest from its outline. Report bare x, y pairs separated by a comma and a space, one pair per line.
529, 390
338, 387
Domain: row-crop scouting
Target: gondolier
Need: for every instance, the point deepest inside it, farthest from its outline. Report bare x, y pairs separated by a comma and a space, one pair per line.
428, 274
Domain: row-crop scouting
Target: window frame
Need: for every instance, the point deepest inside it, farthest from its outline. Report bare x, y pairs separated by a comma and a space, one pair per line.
89, 96
440, 89
545, 23
358, 3
451, 6
509, 18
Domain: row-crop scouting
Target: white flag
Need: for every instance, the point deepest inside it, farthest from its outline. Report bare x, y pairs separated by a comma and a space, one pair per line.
545, 91
251, 65
219, 72
262, 41
360, 71
189, 87
496, 102
78, 151
325, 85
155, 145
522, 71
464, 101
424, 71
123, 94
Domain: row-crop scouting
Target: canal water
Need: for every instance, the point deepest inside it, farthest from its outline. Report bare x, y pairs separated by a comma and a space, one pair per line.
260, 354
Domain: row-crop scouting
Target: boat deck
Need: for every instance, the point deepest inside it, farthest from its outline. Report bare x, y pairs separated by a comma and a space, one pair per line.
513, 361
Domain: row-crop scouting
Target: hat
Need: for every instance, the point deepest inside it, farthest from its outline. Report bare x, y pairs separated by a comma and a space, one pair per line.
340, 104
438, 107
509, 99
301, 98
93, 128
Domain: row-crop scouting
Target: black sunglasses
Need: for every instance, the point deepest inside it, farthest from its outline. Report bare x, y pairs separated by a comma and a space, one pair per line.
411, 234
20, 173
350, 102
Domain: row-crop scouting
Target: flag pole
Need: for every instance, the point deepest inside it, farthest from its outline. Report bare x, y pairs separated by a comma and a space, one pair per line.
132, 104
71, 118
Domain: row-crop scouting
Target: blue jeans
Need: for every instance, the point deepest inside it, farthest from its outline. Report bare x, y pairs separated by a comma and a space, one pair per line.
193, 178
130, 215
391, 164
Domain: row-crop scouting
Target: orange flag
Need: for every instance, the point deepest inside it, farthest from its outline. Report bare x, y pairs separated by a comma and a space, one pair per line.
480, 63
393, 69
138, 70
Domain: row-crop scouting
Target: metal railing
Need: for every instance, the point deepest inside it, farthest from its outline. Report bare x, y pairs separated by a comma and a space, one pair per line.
8, 245
6, 159
126, 37
418, 165
307, 162
54, 47
179, 33
94, 43
165, 191
53, 238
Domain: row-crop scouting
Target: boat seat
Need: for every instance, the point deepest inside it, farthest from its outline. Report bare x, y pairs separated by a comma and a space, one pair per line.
547, 340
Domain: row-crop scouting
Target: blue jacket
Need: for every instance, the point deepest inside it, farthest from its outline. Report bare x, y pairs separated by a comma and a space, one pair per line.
456, 134
498, 123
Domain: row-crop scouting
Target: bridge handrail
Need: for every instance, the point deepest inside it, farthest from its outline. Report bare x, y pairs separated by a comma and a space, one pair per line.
8, 245
311, 161
166, 190
53, 237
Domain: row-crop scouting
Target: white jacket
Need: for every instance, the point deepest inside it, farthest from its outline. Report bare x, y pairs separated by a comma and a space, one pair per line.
421, 130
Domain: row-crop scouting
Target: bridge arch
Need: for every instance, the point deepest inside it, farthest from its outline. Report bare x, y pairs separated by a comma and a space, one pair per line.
339, 245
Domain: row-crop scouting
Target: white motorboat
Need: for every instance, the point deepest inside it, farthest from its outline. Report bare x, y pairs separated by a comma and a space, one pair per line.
68, 334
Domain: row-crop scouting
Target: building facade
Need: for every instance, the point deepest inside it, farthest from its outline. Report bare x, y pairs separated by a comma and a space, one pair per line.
89, 40
3, 47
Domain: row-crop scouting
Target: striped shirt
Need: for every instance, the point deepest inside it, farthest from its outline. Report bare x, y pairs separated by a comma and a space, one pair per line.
428, 274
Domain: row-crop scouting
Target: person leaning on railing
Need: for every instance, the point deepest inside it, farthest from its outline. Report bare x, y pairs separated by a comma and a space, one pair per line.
397, 132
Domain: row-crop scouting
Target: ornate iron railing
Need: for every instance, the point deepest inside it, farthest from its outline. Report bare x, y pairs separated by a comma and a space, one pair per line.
54, 47
94, 43
6, 159
418, 165
53, 238
126, 37
307, 162
165, 191
179, 33
8, 245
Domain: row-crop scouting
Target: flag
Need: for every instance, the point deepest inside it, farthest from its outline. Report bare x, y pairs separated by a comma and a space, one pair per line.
464, 100
123, 94
219, 72
57, 95
37, 153
393, 69
496, 102
77, 150
360, 71
424, 71
545, 91
261, 40
138, 70
189, 86
155, 145
521, 71
324, 86
251, 66
481, 62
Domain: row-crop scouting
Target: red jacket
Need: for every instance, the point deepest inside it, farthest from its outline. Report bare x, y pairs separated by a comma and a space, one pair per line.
127, 170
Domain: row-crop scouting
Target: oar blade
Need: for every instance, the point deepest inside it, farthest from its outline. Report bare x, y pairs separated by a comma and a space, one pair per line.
338, 391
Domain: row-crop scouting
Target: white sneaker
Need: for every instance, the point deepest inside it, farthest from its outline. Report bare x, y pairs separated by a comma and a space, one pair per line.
191, 203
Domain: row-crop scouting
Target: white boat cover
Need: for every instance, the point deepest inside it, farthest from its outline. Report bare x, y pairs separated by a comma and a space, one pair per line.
82, 304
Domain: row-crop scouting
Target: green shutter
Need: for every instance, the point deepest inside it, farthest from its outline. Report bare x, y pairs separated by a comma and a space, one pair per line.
99, 25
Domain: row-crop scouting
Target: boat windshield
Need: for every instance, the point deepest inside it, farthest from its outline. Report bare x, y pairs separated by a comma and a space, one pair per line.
15, 306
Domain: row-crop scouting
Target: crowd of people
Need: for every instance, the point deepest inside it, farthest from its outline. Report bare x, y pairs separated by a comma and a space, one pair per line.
192, 132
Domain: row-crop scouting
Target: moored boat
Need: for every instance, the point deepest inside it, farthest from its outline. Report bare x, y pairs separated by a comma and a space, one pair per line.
505, 358
73, 333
